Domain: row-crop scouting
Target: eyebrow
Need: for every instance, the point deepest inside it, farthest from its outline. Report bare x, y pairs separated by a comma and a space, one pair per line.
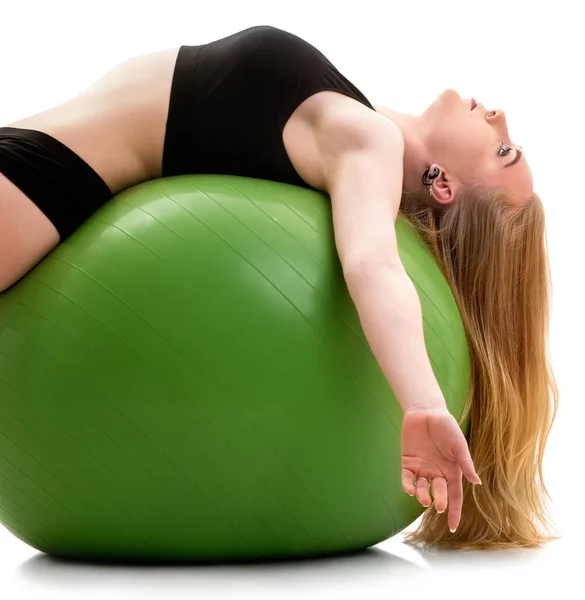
513, 162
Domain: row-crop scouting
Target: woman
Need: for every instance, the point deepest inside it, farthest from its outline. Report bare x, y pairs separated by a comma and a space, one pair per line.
264, 103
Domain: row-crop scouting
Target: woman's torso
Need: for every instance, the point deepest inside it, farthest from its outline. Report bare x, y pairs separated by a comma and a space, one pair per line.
118, 124
118, 127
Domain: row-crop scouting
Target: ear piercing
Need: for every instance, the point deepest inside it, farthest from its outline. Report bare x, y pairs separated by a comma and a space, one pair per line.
431, 177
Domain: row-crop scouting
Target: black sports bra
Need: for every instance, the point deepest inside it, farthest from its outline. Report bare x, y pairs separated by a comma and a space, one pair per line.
231, 98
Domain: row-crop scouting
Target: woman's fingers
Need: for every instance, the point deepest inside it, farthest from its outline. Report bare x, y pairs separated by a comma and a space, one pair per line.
466, 462
439, 489
455, 502
408, 482
440, 492
469, 471
422, 491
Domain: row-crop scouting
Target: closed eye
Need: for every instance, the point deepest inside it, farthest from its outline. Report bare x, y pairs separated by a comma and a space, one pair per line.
518, 157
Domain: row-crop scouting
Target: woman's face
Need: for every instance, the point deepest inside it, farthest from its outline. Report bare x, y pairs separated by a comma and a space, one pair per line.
475, 145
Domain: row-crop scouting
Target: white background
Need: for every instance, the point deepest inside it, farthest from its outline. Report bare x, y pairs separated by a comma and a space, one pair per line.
525, 57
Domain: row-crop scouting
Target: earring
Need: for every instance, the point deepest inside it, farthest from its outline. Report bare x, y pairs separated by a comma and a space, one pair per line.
431, 177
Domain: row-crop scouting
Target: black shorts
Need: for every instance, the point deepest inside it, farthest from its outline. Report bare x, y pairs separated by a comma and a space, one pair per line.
57, 180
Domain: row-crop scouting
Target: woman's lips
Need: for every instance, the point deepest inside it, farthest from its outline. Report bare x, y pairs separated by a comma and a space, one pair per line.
473, 103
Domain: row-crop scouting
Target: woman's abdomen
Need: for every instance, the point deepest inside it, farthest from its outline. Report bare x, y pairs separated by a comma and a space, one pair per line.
117, 126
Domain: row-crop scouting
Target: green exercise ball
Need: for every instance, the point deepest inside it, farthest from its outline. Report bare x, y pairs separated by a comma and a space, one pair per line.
185, 378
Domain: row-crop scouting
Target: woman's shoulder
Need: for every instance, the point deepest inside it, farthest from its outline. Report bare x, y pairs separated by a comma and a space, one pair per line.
343, 122
329, 126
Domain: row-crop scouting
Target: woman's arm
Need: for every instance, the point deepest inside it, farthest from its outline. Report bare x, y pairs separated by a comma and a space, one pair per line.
365, 184
391, 317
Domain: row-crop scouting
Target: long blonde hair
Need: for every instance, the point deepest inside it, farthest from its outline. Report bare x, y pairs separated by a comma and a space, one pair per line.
494, 255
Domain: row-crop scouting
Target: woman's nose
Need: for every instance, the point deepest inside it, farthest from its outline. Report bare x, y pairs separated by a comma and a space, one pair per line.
498, 118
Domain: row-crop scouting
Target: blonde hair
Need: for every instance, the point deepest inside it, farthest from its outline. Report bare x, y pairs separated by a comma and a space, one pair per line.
494, 255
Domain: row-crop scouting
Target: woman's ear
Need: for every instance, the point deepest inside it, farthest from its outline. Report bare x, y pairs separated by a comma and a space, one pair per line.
443, 188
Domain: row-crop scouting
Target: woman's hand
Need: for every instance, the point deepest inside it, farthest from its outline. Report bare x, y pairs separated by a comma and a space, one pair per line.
434, 448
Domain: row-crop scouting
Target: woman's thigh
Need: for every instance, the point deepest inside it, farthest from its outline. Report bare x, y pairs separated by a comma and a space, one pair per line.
26, 234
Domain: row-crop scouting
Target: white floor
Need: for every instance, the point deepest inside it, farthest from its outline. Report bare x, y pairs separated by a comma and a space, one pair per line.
390, 570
